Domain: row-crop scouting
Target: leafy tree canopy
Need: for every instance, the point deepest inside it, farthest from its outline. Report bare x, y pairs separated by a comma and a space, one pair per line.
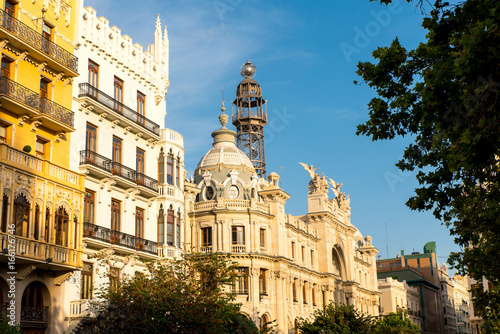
396, 323
445, 95
182, 296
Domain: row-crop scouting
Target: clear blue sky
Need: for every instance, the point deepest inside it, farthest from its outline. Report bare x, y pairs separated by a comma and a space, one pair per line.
306, 55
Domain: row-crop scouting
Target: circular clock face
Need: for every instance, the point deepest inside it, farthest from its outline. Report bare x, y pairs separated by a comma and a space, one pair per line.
209, 193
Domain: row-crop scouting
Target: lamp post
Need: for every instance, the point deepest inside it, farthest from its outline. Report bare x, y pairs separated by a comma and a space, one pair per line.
117, 322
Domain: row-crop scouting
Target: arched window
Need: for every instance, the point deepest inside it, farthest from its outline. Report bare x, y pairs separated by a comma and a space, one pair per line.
296, 326
32, 295
170, 226
5, 213
264, 322
47, 225
75, 233
170, 169
37, 221
161, 226
178, 229
61, 227
178, 172
21, 215
161, 167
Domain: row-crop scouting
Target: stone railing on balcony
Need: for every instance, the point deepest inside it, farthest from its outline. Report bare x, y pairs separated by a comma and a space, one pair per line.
34, 313
119, 238
172, 136
169, 251
30, 163
88, 157
206, 249
31, 99
86, 90
82, 308
238, 248
37, 41
169, 190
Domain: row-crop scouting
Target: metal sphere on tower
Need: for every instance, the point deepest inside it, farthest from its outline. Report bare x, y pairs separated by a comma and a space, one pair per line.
248, 70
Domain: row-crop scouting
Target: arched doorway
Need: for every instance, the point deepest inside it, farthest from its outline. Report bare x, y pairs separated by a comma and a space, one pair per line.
34, 312
264, 322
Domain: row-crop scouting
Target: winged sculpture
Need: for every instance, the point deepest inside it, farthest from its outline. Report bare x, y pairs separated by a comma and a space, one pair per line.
336, 188
309, 169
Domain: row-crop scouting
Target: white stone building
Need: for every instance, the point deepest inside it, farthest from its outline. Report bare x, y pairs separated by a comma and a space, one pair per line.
133, 204
463, 305
398, 296
447, 300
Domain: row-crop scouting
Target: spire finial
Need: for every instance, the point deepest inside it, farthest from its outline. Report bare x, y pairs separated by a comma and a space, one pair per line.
158, 22
223, 118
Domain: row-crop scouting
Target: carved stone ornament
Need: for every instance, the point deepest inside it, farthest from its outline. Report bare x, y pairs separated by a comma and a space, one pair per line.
35, 125
62, 278
41, 66
115, 123
23, 273
23, 120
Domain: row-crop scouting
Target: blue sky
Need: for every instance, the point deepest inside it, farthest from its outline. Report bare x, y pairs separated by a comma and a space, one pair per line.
306, 55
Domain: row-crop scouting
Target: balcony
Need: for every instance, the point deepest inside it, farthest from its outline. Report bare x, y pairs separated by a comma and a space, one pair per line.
101, 167
206, 249
25, 102
114, 110
23, 37
238, 248
34, 314
43, 168
125, 240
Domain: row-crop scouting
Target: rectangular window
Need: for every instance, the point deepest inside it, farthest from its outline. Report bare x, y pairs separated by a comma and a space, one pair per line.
141, 108
170, 227
116, 156
161, 169
294, 290
312, 257
86, 281
206, 236
293, 250
5, 212
46, 38
3, 133
118, 104
139, 223
115, 220
170, 169
10, 8
41, 148
304, 293
139, 165
240, 286
314, 295
44, 88
6, 68
88, 207
91, 138
178, 172
262, 237
303, 253
238, 235
93, 77
262, 282
161, 227
178, 230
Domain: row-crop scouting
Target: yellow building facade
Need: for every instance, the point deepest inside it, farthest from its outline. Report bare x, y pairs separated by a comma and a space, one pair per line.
41, 197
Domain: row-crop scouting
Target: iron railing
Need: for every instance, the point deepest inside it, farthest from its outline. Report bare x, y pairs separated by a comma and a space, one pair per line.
37, 41
35, 313
90, 91
119, 238
56, 111
19, 93
88, 157
3, 309
29, 98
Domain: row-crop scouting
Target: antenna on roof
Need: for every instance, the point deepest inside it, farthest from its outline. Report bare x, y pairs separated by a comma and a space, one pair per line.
386, 240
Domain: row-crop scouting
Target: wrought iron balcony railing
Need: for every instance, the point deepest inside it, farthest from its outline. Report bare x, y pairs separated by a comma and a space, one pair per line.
88, 157
119, 238
29, 98
37, 41
90, 91
35, 313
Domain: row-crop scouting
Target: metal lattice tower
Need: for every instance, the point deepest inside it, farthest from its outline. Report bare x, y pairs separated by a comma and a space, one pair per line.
249, 118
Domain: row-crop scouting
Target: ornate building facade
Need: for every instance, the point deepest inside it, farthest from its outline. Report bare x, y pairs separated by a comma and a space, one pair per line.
463, 306
41, 217
289, 266
398, 296
133, 204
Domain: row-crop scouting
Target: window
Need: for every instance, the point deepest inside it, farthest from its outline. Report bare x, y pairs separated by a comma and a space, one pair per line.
293, 250
178, 230
37, 221
115, 220
141, 108
304, 293
238, 235
86, 281
312, 257
46, 38
303, 253
170, 226
206, 236
209, 193
139, 165
118, 104
161, 167
178, 173
44, 88
262, 282
88, 207
21, 215
264, 322
233, 192
161, 226
47, 225
114, 277
32, 295
6, 68
117, 151
75, 233
262, 237
314, 295
10, 8
3, 133
139, 223
294, 290
5, 213
170, 169
240, 286
61, 227
91, 138
41, 147
93, 78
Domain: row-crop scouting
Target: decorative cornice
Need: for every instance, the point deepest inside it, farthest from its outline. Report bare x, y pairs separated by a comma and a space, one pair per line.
62, 278
22, 274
